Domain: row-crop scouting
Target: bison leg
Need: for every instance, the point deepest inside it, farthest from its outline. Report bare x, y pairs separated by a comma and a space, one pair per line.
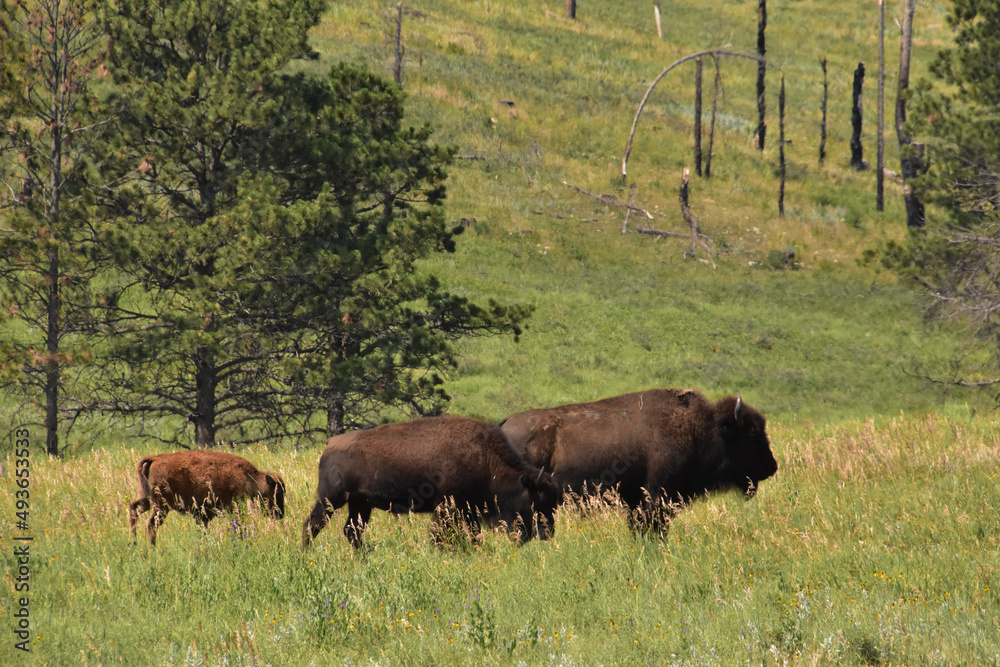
155, 520
453, 527
358, 513
653, 515
136, 508
315, 522
473, 525
206, 514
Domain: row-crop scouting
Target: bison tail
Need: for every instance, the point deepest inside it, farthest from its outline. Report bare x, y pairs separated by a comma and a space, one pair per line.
142, 471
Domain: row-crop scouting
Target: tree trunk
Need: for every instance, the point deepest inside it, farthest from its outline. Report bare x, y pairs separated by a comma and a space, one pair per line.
711, 128
880, 140
911, 154
571, 9
761, 71
53, 325
697, 116
822, 127
52, 372
397, 70
204, 417
857, 156
335, 415
781, 147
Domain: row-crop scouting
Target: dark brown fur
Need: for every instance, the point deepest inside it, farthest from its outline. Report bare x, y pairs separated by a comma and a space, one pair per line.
656, 447
417, 466
200, 483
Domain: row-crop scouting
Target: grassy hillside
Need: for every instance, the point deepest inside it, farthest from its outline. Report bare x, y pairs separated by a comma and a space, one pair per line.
827, 341
819, 339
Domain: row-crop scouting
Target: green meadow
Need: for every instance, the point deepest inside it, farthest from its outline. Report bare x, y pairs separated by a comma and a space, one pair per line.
875, 543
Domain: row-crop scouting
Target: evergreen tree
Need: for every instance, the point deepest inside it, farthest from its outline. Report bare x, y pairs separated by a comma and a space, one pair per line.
361, 327
957, 256
267, 231
51, 54
961, 119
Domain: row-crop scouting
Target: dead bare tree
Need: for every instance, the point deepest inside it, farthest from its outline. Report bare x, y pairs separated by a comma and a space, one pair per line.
696, 236
911, 154
880, 139
781, 147
761, 71
610, 200
631, 205
711, 128
822, 127
697, 116
857, 154
649, 91
397, 69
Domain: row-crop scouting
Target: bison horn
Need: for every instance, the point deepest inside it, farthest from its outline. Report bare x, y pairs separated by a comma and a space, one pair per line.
739, 408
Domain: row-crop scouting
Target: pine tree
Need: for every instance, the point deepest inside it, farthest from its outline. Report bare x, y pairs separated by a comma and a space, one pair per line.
961, 119
51, 55
267, 231
956, 255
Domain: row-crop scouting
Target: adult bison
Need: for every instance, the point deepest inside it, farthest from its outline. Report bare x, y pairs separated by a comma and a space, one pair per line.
419, 465
658, 448
200, 483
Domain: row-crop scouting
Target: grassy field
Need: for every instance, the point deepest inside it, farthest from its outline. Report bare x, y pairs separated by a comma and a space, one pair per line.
828, 340
876, 542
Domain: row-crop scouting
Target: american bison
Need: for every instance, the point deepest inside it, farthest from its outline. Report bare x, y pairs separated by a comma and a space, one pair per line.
200, 483
419, 466
658, 448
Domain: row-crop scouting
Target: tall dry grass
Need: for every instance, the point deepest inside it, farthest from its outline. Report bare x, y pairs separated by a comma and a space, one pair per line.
876, 543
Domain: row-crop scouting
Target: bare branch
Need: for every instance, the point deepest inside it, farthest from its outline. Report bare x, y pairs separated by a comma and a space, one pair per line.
642, 104
611, 200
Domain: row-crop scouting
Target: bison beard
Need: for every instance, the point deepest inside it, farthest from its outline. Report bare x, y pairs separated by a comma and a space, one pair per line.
659, 449
421, 465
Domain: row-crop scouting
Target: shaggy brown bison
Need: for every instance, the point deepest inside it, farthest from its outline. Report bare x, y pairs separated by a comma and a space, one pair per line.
419, 465
659, 448
200, 483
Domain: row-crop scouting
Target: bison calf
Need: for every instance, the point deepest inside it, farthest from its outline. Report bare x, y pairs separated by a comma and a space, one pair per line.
200, 483
661, 447
417, 466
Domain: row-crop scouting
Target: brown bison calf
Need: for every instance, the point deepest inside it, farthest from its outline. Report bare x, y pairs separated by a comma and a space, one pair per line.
200, 483
421, 465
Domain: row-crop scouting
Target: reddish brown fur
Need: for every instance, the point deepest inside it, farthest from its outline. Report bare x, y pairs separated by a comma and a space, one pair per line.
660, 445
200, 483
416, 466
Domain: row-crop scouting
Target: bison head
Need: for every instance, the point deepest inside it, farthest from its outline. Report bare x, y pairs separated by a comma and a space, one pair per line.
273, 492
748, 459
543, 496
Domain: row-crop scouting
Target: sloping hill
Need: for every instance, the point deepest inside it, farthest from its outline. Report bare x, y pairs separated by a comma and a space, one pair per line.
535, 101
